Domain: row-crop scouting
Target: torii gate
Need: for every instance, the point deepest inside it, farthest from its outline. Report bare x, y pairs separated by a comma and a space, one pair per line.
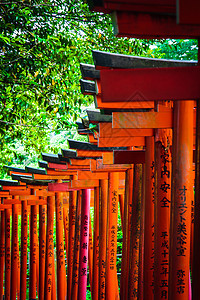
118, 97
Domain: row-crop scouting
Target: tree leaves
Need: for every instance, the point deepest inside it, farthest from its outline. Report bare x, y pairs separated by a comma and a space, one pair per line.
42, 44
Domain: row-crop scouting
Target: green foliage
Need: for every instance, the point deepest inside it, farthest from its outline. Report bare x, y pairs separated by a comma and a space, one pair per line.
88, 295
174, 49
42, 44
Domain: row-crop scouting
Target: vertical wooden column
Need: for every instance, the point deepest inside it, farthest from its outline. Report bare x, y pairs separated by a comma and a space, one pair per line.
141, 240
14, 251
24, 238
49, 248
135, 231
90, 257
126, 234
2, 253
96, 245
149, 219
182, 190
192, 223
7, 254
42, 248
84, 240
72, 213
33, 252
37, 262
162, 219
53, 290
61, 273
74, 292
196, 233
18, 273
103, 207
66, 227
121, 205
112, 291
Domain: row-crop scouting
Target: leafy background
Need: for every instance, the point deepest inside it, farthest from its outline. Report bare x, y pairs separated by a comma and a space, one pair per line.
42, 44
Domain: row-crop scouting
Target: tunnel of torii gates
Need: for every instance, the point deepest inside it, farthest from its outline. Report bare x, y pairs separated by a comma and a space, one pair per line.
142, 158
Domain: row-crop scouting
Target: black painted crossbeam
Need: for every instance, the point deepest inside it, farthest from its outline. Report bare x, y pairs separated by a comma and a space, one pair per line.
120, 61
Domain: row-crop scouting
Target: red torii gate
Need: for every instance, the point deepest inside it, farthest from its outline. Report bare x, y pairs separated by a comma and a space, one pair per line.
182, 147
36, 183
152, 19
128, 121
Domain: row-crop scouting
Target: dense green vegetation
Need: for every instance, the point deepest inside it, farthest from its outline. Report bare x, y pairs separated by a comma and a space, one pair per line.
42, 44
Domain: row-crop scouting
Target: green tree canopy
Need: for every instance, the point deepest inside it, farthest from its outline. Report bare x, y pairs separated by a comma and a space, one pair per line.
42, 44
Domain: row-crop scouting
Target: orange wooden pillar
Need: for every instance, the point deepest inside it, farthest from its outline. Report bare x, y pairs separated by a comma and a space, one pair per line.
33, 252
182, 190
90, 257
2, 253
49, 249
112, 291
149, 219
103, 207
14, 251
18, 274
24, 238
135, 231
192, 224
126, 234
72, 214
196, 243
84, 241
95, 276
37, 267
66, 227
66, 230
53, 290
42, 248
121, 203
61, 273
141, 241
7, 254
75, 273
162, 218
